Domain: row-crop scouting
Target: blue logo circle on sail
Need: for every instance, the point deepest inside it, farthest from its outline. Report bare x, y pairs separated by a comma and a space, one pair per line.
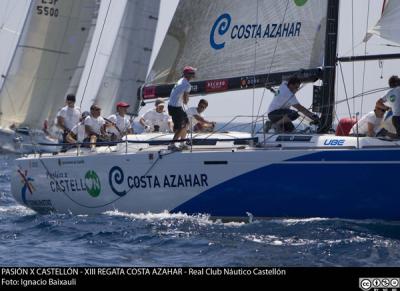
222, 25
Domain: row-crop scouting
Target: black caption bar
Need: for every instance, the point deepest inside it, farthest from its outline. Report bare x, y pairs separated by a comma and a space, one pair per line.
301, 278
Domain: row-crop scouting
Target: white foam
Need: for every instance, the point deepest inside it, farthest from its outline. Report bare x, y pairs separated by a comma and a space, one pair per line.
201, 219
16, 209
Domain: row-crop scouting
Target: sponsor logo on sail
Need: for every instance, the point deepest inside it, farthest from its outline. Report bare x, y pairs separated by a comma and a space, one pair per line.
92, 182
223, 29
216, 86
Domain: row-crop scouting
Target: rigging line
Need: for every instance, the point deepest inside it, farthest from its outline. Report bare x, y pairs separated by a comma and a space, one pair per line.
353, 53
272, 61
365, 62
95, 54
255, 68
345, 89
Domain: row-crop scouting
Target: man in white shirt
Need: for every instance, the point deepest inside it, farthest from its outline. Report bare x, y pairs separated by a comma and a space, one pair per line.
179, 97
370, 124
78, 132
120, 122
393, 99
95, 126
156, 119
196, 119
279, 112
68, 116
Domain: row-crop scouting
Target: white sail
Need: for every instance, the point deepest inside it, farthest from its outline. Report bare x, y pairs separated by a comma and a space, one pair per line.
45, 60
238, 38
76, 79
129, 61
111, 14
388, 26
12, 18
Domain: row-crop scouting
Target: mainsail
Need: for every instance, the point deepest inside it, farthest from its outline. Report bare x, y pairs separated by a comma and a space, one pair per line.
388, 25
122, 64
227, 39
45, 60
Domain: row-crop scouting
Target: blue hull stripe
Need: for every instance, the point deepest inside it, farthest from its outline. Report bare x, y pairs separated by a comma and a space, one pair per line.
354, 191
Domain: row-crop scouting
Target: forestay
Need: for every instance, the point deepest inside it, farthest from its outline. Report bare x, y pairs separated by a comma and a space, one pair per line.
45, 60
242, 38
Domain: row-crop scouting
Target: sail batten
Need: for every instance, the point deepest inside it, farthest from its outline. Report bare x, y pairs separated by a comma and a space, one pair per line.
228, 39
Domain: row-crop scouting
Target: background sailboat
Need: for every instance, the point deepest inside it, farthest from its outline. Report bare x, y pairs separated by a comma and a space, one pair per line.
44, 62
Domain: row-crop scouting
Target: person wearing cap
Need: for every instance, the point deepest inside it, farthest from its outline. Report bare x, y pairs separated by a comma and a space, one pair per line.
68, 116
178, 98
156, 120
95, 126
392, 98
196, 118
120, 122
78, 132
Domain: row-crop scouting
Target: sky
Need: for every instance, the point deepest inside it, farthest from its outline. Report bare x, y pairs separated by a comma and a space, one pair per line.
240, 102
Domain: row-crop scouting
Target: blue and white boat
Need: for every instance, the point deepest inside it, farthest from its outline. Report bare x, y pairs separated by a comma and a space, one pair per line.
231, 175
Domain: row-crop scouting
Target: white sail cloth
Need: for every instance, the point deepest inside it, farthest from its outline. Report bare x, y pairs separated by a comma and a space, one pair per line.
239, 38
12, 18
388, 26
123, 55
45, 60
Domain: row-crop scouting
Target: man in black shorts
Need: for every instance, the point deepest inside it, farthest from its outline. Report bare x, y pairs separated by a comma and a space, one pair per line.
179, 97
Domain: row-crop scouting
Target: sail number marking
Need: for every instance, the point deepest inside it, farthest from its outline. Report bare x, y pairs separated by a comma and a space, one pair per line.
48, 8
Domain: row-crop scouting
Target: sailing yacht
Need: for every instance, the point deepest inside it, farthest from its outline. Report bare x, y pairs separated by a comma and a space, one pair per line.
235, 45
47, 55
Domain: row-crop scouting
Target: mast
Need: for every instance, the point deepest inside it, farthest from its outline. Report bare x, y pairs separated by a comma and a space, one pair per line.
329, 73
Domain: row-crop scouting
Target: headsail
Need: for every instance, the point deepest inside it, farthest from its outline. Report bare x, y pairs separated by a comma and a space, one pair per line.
236, 38
388, 27
129, 56
105, 34
12, 18
45, 60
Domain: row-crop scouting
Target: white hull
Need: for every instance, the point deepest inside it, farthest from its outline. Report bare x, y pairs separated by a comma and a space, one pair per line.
292, 176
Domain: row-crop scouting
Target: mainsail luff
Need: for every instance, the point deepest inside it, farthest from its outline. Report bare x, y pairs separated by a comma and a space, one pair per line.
45, 60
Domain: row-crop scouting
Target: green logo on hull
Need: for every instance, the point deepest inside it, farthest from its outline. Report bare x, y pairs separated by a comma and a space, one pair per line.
92, 182
300, 2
